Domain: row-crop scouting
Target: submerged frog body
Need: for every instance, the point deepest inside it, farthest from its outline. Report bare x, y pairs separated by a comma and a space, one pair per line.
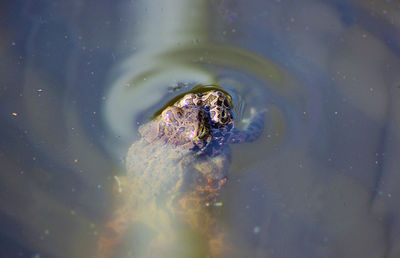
175, 174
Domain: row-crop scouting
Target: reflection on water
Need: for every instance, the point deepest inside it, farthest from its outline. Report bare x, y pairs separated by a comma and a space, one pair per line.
78, 77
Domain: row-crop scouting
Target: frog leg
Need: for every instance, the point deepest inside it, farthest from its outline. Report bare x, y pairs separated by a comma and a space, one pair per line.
252, 131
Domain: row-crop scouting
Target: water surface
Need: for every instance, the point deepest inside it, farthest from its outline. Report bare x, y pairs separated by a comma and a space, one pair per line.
78, 78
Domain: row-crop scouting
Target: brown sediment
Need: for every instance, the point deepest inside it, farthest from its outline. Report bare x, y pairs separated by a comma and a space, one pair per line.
112, 233
191, 214
200, 211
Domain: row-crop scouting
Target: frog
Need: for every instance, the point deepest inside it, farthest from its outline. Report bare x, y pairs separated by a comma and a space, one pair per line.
176, 173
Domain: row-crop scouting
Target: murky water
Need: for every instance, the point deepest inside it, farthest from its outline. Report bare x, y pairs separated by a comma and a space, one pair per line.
77, 78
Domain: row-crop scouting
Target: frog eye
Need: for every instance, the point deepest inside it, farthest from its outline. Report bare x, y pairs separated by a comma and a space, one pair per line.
202, 131
224, 116
226, 103
219, 101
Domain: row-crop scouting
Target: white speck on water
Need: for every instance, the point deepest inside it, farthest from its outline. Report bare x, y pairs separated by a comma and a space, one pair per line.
256, 230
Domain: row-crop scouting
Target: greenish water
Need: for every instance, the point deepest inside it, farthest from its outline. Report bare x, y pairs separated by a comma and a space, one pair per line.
78, 78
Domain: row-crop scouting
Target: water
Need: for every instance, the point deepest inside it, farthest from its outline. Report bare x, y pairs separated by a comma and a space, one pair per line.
78, 77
